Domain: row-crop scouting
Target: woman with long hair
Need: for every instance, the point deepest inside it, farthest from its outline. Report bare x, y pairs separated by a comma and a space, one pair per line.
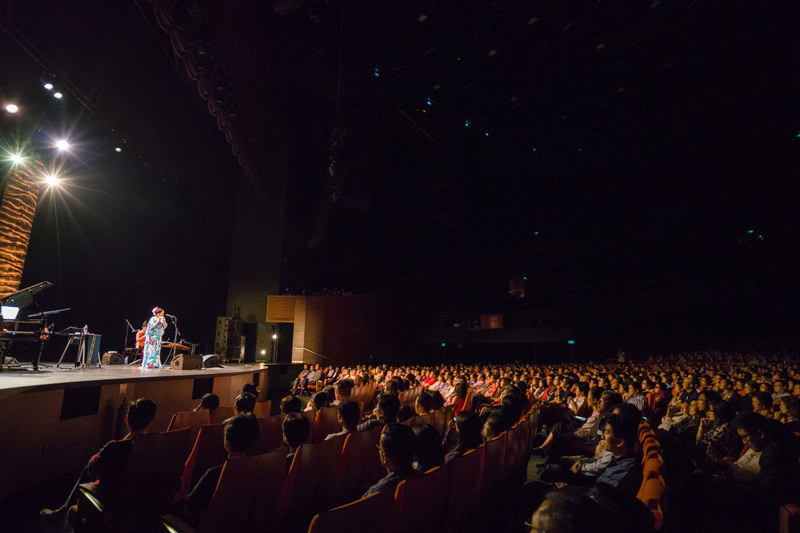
151, 353
468, 428
716, 438
429, 450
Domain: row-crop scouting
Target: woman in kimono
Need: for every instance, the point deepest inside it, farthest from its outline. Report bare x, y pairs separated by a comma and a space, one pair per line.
151, 353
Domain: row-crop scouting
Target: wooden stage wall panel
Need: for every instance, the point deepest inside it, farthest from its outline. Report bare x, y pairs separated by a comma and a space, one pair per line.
39, 440
281, 308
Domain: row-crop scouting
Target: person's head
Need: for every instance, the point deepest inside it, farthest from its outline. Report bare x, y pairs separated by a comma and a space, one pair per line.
158, 312
290, 404
397, 447
582, 389
319, 400
296, 430
388, 406
392, 388
757, 431
620, 434
595, 399
495, 425
720, 413
461, 389
779, 386
241, 432
349, 413
628, 409
761, 401
468, 426
245, 403
566, 511
764, 387
251, 388
429, 450
634, 388
789, 406
705, 398
209, 402
423, 404
141, 414
405, 413
438, 400
750, 387
144, 324
343, 389
511, 406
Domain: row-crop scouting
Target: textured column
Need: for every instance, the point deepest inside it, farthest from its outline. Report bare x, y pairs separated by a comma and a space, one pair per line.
16, 219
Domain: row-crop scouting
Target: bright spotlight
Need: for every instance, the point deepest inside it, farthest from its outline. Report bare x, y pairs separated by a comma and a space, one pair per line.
12, 108
58, 95
51, 180
117, 149
263, 352
62, 145
16, 159
48, 86
274, 336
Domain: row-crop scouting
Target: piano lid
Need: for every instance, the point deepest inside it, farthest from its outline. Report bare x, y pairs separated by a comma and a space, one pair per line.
24, 298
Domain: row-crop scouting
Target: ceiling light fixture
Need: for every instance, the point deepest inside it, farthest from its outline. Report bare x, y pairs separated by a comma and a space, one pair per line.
48, 86
58, 95
62, 145
12, 108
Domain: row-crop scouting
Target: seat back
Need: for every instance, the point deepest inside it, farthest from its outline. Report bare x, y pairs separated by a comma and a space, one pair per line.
327, 422
424, 419
263, 409
311, 483
413, 496
189, 419
150, 478
312, 419
369, 513
271, 436
514, 452
440, 420
492, 467
221, 414
361, 464
462, 491
208, 451
234, 509
651, 496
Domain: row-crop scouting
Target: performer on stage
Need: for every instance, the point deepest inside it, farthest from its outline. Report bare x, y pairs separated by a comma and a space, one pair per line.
141, 336
151, 353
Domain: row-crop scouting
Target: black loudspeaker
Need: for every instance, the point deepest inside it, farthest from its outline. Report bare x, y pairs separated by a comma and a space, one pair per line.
112, 358
187, 362
212, 361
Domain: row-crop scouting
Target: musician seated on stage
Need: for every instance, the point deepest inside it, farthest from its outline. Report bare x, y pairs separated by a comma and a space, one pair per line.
105, 466
241, 432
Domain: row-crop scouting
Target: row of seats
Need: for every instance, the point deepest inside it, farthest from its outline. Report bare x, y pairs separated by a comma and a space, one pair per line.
652, 489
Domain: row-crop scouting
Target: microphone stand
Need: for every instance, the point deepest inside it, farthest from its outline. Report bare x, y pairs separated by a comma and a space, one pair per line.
127, 334
171, 355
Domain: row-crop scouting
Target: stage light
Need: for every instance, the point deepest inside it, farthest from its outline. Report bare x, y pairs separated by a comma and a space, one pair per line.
58, 95
466, 123
430, 102
62, 145
117, 149
48, 86
570, 342
377, 72
51, 180
12, 108
534, 149
263, 352
487, 133
536, 233
443, 344
16, 159
750, 231
525, 278
274, 336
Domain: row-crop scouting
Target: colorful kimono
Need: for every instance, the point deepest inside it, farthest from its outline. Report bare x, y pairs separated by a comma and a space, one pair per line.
151, 353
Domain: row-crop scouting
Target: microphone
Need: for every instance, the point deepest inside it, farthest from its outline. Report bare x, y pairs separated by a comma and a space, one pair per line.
171, 316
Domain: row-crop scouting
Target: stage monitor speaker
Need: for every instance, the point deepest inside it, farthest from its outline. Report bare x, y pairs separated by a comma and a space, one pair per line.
112, 358
187, 362
212, 361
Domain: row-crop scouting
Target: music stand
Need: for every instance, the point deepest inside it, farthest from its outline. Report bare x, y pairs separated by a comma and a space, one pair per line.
75, 333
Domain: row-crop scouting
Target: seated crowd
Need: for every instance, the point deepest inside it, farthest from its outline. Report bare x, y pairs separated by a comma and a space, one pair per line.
727, 424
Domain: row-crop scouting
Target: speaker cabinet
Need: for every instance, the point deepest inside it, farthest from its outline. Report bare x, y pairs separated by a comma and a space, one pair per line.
112, 358
212, 361
187, 362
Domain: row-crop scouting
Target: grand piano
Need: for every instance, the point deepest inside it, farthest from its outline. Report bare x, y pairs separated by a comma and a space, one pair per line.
24, 328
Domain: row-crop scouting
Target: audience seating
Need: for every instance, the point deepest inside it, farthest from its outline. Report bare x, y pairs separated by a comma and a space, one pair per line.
492, 467
790, 519
424, 419
361, 466
247, 511
440, 420
312, 419
189, 419
271, 436
462, 491
310, 486
144, 490
327, 422
208, 451
413, 499
221, 414
263, 409
369, 514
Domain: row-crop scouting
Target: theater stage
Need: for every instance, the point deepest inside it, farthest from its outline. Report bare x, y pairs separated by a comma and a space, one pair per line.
53, 420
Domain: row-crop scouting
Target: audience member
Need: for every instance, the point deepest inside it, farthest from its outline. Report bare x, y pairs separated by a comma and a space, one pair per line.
296, 431
397, 449
348, 413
